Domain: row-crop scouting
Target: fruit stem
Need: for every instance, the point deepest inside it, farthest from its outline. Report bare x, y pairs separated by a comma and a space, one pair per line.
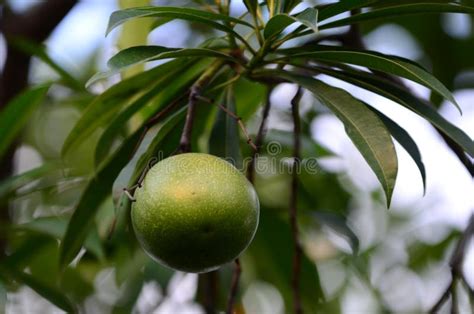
195, 91
295, 279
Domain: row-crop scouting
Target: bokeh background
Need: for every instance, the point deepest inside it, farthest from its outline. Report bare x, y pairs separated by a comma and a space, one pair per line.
402, 265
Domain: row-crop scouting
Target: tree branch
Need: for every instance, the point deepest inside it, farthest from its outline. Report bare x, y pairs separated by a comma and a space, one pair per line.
34, 25
456, 264
234, 286
194, 93
260, 135
295, 280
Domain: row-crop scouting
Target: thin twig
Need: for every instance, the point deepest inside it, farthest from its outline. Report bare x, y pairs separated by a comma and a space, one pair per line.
456, 264
295, 280
234, 286
194, 93
260, 136
232, 115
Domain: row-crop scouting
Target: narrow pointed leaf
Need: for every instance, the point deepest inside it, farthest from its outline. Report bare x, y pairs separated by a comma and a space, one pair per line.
16, 182
17, 113
339, 7
98, 189
140, 54
50, 293
397, 94
375, 61
279, 22
211, 19
400, 10
363, 127
251, 6
225, 140
165, 91
106, 105
407, 142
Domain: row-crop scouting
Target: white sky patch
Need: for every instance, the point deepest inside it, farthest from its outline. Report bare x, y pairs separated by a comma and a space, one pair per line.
457, 25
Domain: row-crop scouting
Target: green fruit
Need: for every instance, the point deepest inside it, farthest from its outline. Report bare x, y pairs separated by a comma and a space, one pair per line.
195, 212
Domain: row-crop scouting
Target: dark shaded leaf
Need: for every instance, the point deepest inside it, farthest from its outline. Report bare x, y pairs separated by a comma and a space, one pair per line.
364, 128
279, 22
106, 105
50, 293
375, 61
339, 224
56, 227
119, 17
400, 10
339, 7
95, 193
168, 88
17, 113
272, 254
404, 98
16, 182
39, 51
404, 139
139, 54
225, 140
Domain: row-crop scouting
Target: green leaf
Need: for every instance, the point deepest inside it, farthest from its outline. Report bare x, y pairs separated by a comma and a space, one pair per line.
252, 6
364, 128
375, 61
400, 10
308, 17
397, 94
139, 54
17, 113
50, 293
288, 5
272, 253
163, 144
56, 227
339, 7
404, 139
168, 88
211, 19
105, 106
339, 224
95, 193
16, 182
225, 140
39, 51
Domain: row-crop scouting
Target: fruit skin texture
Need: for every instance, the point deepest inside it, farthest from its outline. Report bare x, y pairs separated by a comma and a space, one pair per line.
195, 212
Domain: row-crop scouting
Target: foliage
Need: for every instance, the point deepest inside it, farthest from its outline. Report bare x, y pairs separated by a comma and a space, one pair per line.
142, 117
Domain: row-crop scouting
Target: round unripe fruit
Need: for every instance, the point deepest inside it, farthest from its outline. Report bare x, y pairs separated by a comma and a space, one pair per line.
195, 212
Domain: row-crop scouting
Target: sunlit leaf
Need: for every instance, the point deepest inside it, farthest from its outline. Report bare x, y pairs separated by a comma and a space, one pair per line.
17, 113
375, 61
339, 7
